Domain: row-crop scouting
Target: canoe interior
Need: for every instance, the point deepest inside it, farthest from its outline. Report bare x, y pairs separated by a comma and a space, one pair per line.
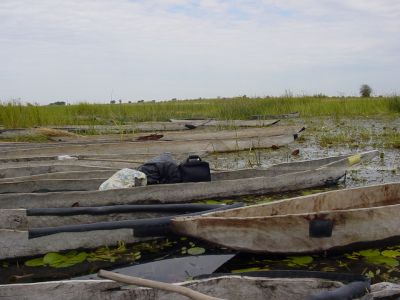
364, 197
81, 181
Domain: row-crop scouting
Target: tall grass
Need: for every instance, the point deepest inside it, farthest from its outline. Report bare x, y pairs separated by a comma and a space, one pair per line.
16, 115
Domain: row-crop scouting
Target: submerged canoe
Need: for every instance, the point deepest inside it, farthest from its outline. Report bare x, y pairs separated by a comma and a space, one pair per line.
335, 220
27, 232
232, 287
277, 178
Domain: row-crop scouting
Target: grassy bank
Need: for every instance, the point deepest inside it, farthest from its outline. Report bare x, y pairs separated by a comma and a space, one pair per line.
14, 115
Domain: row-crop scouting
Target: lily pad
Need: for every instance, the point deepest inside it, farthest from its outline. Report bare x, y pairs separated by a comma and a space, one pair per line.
72, 260
369, 252
196, 251
382, 260
36, 262
391, 253
293, 261
53, 259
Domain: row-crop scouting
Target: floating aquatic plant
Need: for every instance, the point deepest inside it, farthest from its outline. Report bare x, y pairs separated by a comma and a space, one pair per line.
57, 260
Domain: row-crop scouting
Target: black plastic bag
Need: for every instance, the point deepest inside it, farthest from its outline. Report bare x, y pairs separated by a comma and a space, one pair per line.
161, 169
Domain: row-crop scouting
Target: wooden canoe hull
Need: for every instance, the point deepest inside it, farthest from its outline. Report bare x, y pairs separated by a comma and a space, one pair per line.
45, 169
168, 193
82, 175
357, 216
17, 219
317, 173
155, 147
225, 287
51, 185
15, 243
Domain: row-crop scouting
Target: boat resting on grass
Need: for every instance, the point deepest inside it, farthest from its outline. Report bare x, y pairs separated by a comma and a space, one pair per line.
274, 179
232, 287
330, 221
29, 232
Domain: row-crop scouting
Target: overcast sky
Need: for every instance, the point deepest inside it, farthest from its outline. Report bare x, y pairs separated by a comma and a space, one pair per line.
92, 50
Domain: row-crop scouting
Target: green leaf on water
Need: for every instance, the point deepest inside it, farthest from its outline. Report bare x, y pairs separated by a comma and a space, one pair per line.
369, 252
56, 260
53, 259
196, 251
72, 260
382, 260
298, 260
391, 253
36, 262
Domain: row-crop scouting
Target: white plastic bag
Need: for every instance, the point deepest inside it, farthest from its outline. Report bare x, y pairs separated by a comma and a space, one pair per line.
124, 178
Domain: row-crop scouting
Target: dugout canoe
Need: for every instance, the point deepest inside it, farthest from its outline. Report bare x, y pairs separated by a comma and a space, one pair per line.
25, 219
225, 123
275, 179
18, 237
157, 147
82, 175
330, 221
209, 133
224, 286
45, 169
51, 185
291, 115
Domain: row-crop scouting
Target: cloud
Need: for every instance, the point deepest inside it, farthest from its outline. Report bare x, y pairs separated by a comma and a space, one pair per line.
83, 49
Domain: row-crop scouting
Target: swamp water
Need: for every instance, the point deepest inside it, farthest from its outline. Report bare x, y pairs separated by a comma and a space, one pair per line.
380, 264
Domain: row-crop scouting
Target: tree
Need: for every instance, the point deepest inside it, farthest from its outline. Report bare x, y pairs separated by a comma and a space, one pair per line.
365, 91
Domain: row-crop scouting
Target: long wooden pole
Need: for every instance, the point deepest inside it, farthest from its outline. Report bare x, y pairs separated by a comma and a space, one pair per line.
156, 285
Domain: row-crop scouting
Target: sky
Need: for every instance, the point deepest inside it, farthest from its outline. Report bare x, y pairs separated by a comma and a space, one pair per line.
98, 50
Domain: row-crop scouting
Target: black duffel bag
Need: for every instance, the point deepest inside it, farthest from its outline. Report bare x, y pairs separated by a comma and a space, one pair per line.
161, 169
194, 170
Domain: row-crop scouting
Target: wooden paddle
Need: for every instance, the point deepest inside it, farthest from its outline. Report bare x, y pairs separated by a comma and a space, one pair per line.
155, 285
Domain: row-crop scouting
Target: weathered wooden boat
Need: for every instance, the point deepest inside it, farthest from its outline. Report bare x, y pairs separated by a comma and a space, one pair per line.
32, 232
291, 115
157, 147
334, 220
82, 175
51, 185
24, 219
230, 287
275, 179
224, 123
45, 169
210, 133
99, 129
149, 126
